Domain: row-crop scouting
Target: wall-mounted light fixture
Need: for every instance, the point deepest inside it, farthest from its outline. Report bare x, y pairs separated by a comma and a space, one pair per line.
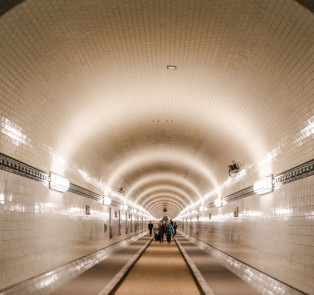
218, 202
107, 201
125, 207
264, 185
202, 209
58, 183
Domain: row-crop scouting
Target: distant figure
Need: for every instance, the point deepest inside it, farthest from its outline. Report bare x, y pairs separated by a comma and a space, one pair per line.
175, 228
171, 222
162, 231
150, 227
169, 231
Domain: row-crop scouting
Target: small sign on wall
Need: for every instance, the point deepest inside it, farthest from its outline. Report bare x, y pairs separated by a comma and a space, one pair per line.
87, 210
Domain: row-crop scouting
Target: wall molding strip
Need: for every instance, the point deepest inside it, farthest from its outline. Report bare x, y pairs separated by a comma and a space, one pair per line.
304, 170
84, 192
20, 168
17, 167
296, 173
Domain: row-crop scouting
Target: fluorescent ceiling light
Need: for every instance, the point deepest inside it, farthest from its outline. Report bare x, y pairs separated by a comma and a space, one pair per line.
264, 185
58, 183
171, 67
107, 201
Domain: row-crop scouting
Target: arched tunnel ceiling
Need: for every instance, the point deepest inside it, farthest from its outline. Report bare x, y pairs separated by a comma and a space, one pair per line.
99, 69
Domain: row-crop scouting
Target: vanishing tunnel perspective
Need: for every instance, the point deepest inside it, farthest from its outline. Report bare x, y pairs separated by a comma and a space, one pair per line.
157, 146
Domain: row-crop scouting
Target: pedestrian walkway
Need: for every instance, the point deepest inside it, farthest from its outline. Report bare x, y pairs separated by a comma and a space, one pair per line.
102, 278
220, 280
160, 270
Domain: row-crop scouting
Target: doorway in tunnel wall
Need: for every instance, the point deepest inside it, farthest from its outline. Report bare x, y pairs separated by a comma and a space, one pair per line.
119, 223
110, 223
126, 222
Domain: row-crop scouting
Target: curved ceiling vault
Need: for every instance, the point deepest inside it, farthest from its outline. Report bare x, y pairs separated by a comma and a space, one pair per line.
98, 71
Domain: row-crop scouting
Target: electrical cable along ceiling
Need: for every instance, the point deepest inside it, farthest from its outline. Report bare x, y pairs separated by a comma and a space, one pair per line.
95, 75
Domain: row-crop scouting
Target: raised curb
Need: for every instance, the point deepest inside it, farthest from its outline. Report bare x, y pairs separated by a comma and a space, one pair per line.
118, 278
198, 276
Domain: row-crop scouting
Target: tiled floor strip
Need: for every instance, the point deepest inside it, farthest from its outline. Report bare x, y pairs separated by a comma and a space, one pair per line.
123, 272
202, 283
211, 272
259, 281
103, 277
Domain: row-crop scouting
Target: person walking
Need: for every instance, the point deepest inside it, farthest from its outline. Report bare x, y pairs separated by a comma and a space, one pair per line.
162, 231
150, 227
175, 228
169, 232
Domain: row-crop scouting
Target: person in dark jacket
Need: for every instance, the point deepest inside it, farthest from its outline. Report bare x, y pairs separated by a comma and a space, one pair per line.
162, 231
150, 227
169, 232
175, 228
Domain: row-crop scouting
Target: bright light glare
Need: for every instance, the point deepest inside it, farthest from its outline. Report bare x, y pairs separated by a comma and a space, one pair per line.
107, 201
15, 132
218, 202
264, 185
58, 183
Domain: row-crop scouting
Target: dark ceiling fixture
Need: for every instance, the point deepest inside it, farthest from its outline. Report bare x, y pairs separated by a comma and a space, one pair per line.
164, 210
233, 168
121, 190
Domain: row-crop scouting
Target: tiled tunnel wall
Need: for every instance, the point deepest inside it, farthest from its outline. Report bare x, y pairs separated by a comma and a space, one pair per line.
273, 233
42, 229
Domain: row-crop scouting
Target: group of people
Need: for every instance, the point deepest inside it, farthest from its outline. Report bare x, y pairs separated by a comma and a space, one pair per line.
164, 227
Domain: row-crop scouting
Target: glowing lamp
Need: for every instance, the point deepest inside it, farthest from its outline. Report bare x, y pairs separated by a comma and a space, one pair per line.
107, 201
125, 207
218, 202
202, 209
58, 183
264, 185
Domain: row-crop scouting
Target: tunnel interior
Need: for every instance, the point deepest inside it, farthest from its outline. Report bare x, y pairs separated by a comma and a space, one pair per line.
157, 105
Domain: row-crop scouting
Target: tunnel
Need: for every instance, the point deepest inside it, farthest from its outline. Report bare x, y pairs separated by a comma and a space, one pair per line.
118, 113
